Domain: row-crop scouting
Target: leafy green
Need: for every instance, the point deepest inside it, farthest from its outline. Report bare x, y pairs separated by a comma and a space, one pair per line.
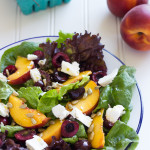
81, 132
125, 117
105, 148
31, 95
11, 129
10, 55
122, 86
105, 98
121, 135
65, 89
71, 140
72, 86
63, 37
5, 90
29, 83
48, 101
119, 92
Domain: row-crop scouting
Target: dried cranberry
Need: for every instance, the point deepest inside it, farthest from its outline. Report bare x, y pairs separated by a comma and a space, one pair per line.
40, 84
25, 135
40, 55
108, 124
69, 128
60, 77
11, 69
77, 94
82, 145
58, 58
97, 75
5, 120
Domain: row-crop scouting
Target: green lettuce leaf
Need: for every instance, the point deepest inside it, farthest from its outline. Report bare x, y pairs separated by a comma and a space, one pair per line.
5, 90
11, 129
10, 55
72, 86
81, 132
65, 89
125, 117
29, 83
71, 140
63, 37
105, 148
48, 101
120, 136
31, 95
120, 91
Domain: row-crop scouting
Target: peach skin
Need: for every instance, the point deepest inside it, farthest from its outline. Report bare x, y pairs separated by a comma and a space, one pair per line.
135, 27
120, 7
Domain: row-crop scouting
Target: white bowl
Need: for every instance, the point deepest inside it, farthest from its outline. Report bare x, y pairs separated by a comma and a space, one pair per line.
112, 62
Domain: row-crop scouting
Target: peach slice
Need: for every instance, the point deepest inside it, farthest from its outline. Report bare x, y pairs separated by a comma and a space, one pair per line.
95, 133
89, 103
24, 116
52, 130
77, 78
22, 74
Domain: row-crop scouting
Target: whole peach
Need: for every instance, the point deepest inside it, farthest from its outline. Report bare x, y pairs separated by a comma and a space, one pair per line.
120, 7
135, 27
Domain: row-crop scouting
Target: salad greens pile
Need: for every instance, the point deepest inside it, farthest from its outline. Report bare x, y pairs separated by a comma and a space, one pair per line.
83, 49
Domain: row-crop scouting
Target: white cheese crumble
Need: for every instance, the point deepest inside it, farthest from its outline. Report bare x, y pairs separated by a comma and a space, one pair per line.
42, 62
32, 57
35, 75
4, 111
76, 113
113, 114
3, 78
60, 112
108, 79
36, 143
71, 69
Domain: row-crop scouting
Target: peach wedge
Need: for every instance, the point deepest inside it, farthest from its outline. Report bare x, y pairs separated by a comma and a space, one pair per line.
24, 116
22, 74
86, 105
95, 132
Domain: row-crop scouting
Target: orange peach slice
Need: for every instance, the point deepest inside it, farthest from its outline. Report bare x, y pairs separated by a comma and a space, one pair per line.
77, 78
52, 130
24, 116
86, 105
95, 132
22, 74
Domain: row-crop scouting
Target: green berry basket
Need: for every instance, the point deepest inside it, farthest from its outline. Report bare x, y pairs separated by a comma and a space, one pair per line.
29, 6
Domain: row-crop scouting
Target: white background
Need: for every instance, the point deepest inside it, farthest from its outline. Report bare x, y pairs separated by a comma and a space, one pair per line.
78, 16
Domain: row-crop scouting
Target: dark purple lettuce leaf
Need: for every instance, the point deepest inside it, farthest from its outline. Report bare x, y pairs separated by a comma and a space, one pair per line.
2, 139
58, 145
86, 50
49, 50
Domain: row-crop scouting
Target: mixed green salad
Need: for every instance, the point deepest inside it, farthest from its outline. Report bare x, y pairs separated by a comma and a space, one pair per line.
58, 96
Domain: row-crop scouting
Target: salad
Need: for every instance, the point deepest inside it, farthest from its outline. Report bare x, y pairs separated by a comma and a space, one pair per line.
58, 96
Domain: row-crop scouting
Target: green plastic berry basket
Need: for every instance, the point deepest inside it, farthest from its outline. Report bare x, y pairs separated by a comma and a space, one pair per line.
29, 6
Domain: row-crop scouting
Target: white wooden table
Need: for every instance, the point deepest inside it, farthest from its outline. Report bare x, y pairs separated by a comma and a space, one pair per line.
80, 15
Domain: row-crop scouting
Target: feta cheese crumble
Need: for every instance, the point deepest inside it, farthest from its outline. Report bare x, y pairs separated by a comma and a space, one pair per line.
3, 78
42, 62
35, 75
108, 79
32, 57
4, 111
113, 114
36, 143
76, 113
60, 112
71, 69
